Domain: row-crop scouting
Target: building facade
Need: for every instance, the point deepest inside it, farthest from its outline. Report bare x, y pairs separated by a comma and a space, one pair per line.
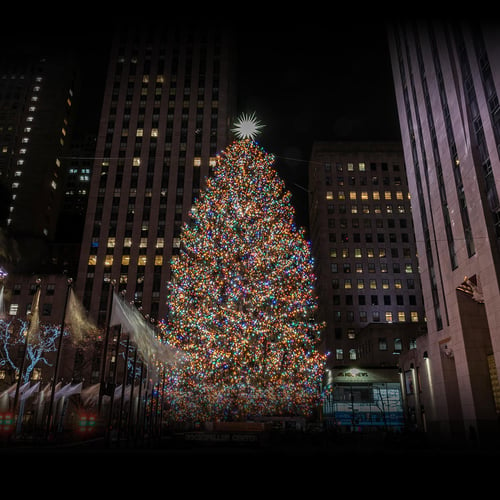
447, 82
167, 106
368, 283
38, 92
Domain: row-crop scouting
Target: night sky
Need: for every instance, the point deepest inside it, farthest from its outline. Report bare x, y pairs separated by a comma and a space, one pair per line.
306, 80
307, 83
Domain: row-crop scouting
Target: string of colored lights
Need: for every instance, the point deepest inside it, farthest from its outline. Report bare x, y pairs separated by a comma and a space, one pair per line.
241, 300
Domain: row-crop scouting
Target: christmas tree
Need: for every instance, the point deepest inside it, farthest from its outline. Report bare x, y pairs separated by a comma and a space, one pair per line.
242, 301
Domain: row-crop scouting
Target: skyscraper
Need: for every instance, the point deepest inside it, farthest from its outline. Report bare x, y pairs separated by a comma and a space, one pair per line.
446, 77
166, 113
363, 242
368, 278
38, 89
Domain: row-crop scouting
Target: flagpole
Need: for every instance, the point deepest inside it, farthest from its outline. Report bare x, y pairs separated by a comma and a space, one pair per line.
124, 387
21, 368
58, 359
113, 386
106, 341
130, 414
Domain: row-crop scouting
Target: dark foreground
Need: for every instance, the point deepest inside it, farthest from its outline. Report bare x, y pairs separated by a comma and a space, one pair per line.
356, 450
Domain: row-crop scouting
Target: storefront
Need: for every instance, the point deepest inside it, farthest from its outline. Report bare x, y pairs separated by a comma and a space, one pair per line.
364, 399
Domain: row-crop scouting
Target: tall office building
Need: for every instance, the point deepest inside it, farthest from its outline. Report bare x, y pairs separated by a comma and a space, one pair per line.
447, 84
38, 89
367, 276
363, 242
166, 113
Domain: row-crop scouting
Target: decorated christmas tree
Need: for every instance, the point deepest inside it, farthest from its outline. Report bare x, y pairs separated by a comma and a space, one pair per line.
242, 301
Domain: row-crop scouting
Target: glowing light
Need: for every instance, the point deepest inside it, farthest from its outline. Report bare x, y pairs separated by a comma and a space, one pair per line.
241, 300
247, 126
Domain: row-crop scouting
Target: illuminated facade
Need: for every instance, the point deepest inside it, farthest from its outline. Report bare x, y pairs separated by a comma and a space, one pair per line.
37, 94
363, 243
166, 113
447, 83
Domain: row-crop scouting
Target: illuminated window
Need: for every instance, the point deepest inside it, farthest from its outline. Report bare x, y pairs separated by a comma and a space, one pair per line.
358, 253
127, 242
329, 195
341, 195
376, 195
140, 132
387, 195
347, 284
108, 261
388, 317
142, 260
373, 284
361, 284
111, 242
385, 284
399, 195
136, 162
339, 354
352, 195
125, 260
370, 253
401, 316
350, 167
397, 284
154, 132
408, 268
92, 260
197, 161
13, 308
414, 316
160, 242
364, 195
345, 253
362, 167
158, 260
143, 243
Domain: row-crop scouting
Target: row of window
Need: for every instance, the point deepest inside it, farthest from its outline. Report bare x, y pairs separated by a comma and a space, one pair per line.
358, 253
363, 180
142, 260
373, 300
383, 345
365, 195
347, 267
360, 166
389, 316
385, 284
356, 238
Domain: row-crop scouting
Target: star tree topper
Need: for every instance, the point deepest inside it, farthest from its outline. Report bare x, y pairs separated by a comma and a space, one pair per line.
247, 126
